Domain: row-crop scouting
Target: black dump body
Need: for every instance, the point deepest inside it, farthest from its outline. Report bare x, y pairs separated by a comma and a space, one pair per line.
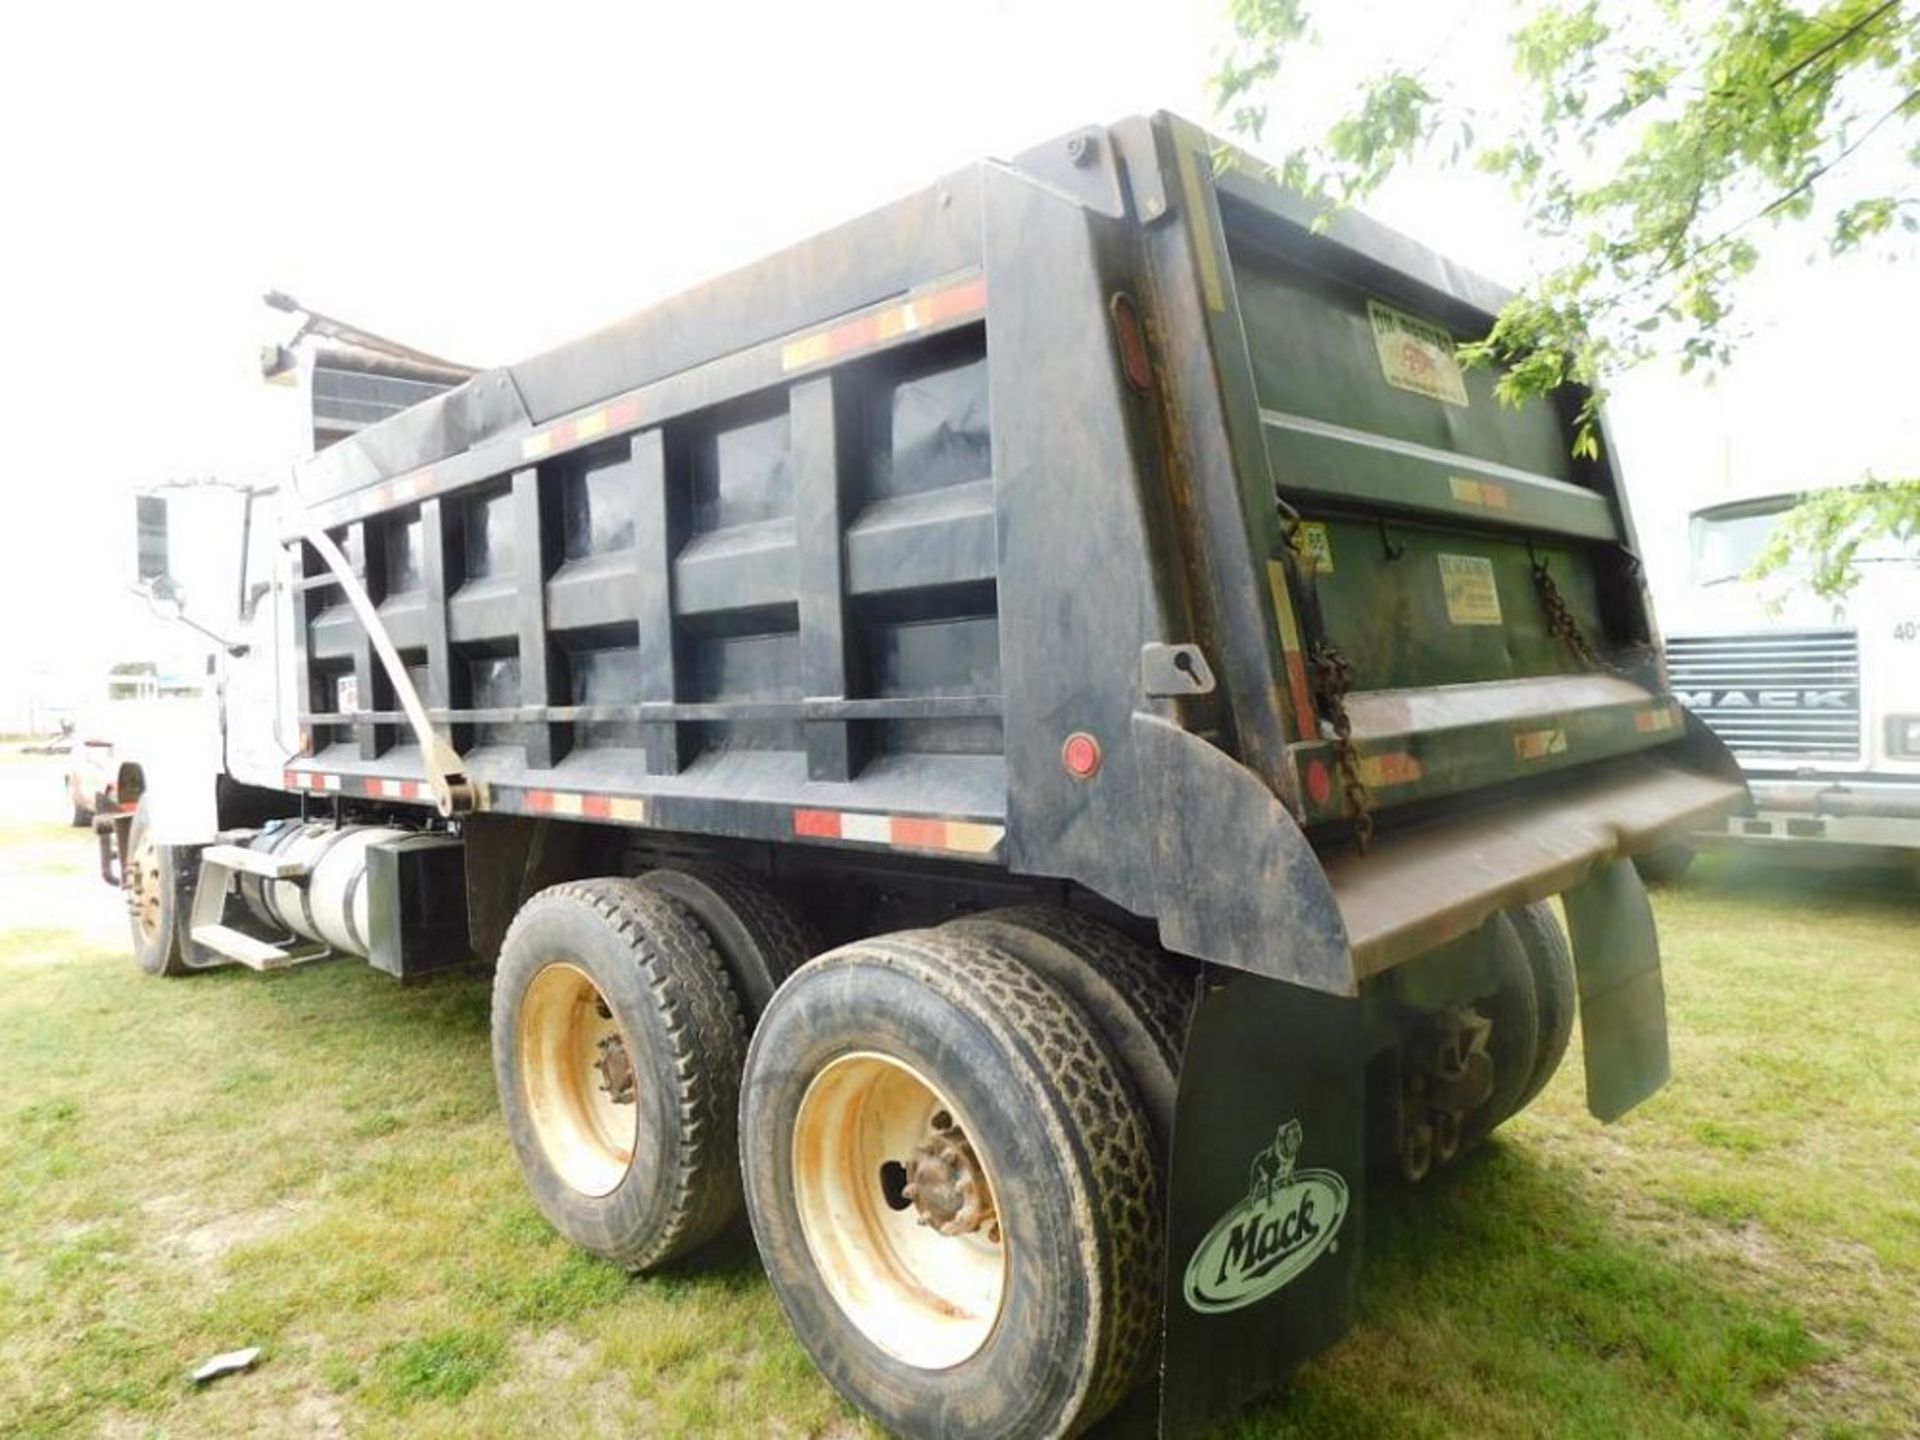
953, 533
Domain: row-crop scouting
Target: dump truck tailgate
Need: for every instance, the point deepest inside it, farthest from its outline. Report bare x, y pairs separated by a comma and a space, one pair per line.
1461, 586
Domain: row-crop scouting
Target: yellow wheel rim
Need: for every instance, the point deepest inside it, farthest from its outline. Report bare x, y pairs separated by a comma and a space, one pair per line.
143, 888
582, 1102
898, 1210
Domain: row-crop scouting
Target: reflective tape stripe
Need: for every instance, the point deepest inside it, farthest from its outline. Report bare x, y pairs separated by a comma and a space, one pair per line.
1304, 717
899, 832
621, 414
576, 804
312, 780
371, 787
1652, 722
850, 337
867, 829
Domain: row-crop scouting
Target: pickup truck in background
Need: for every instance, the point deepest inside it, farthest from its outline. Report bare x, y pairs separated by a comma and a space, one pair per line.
110, 726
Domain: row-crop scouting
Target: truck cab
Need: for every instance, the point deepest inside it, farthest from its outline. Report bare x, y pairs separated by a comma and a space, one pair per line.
1819, 699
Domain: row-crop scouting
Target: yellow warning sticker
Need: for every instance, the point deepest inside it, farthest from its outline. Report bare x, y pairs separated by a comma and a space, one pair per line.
1377, 772
1467, 581
1416, 354
1536, 744
1310, 540
1652, 722
1478, 492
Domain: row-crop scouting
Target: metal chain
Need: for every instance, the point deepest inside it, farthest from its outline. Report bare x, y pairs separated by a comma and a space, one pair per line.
1332, 679
1560, 622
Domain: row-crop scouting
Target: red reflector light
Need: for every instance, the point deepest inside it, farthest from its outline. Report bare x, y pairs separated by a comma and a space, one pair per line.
1134, 359
1319, 782
1081, 755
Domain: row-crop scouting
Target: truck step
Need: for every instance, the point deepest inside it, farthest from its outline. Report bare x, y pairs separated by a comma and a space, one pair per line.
249, 950
238, 858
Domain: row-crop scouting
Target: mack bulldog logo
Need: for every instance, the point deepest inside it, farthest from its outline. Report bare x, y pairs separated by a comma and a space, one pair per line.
1287, 1221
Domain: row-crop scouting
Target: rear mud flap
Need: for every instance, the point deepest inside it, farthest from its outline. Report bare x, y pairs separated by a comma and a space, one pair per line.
1623, 1005
1265, 1199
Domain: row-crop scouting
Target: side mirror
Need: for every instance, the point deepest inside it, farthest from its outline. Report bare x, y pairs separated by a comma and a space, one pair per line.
150, 540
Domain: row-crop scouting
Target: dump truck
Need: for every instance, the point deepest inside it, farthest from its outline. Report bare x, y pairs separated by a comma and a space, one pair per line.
1025, 743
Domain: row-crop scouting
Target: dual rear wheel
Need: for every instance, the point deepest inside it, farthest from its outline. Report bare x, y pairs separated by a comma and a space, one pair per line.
1468, 1067
946, 1150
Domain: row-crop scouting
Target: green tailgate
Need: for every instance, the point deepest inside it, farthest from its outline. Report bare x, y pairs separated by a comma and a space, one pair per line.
1426, 505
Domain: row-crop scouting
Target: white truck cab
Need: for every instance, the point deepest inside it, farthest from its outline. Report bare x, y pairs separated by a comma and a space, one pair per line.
1818, 699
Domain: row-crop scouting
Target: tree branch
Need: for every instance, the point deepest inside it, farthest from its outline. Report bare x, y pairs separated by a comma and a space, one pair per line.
1865, 22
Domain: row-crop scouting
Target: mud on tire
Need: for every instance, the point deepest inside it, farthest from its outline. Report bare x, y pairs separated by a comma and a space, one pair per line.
657, 984
1059, 1133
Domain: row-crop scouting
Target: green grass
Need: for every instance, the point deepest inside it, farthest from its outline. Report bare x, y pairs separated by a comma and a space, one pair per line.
312, 1163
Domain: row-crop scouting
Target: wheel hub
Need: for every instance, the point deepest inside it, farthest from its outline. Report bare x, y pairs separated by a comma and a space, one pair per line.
897, 1206
947, 1186
577, 1077
142, 881
616, 1070
1446, 1078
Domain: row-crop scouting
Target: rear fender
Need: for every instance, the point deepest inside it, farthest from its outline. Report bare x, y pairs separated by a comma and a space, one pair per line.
1234, 879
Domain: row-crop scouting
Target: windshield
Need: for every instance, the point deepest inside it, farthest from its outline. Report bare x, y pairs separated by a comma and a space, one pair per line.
1727, 543
1725, 546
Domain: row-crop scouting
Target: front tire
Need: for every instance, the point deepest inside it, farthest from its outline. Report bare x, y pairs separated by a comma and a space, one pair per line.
1027, 1304
149, 882
618, 1045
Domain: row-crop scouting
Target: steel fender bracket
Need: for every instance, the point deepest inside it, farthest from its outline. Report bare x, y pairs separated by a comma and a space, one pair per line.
1235, 881
1623, 1009
1264, 1204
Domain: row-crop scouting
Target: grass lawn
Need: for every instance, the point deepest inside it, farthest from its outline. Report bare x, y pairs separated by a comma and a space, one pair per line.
312, 1162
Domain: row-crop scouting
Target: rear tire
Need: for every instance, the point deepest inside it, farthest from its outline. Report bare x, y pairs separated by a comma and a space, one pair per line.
760, 940
1555, 991
878, 1042
618, 1046
1514, 1041
149, 881
1139, 1002
1664, 866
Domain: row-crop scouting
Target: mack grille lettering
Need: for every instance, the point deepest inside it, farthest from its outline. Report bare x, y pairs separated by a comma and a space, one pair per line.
1793, 695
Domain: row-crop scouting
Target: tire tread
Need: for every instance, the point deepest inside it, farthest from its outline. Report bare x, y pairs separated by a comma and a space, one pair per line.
707, 1038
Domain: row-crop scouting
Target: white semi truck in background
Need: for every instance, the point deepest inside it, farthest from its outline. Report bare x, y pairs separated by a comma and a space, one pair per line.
1818, 699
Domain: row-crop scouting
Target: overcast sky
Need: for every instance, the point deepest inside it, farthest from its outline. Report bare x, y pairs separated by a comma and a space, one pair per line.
485, 181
